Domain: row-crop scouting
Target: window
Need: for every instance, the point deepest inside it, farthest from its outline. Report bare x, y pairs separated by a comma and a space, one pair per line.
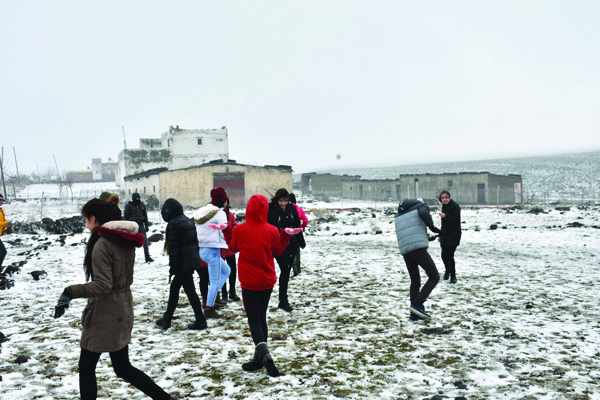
199, 141
449, 185
153, 188
144, 189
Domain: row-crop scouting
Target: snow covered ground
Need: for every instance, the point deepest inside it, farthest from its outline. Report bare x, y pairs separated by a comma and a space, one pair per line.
521, 323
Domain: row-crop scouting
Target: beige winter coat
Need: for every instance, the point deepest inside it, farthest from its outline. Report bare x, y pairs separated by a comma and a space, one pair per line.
108, 317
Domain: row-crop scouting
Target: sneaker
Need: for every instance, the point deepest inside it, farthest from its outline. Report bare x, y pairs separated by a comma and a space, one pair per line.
414, 317
285, 306
446, 275
419, 310
234, 297
453, 279
164, 322
210, 312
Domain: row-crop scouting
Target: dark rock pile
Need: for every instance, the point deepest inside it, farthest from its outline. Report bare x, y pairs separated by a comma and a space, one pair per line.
73, 224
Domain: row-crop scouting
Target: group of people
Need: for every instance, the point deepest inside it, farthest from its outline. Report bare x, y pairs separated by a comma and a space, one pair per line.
211, 237
272, 230
412, 221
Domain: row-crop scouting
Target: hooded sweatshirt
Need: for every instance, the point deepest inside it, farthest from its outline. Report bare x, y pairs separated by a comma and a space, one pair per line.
257, 242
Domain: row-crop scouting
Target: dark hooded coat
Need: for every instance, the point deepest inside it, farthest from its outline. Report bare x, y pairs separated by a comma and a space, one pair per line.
287, 218
182, 242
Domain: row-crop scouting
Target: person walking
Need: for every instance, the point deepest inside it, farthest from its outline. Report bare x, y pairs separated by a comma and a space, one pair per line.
451, 233
3, 225
182, 246
229, 257
412, 222
257, 242
135, 210
108, 317
211, 242
303, 222
283, 215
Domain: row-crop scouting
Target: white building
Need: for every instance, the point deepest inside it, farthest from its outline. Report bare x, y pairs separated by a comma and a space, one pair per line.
177, 148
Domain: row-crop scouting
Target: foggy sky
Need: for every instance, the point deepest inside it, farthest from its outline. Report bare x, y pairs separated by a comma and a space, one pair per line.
301, 82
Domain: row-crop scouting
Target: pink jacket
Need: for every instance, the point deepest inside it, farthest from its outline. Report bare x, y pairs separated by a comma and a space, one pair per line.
303, 219
231, 223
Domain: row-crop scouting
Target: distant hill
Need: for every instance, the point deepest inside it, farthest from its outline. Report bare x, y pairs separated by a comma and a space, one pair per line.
554, 177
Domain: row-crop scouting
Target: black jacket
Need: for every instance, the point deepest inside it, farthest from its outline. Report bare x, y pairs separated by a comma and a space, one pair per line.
451, 230
137, 213
182, 241
287, 218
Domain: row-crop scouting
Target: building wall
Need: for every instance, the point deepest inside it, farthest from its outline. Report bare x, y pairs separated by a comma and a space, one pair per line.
192, 186
176, 149
466, 188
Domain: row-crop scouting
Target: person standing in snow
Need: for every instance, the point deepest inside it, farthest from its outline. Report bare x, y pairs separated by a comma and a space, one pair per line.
229, 257
451, 233
211, 242
3, 225
108, 317
135, 210
412, 222
257, 242
283, 215
303, 223
182, 246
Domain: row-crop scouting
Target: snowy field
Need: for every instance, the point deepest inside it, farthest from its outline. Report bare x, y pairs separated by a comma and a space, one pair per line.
521, 323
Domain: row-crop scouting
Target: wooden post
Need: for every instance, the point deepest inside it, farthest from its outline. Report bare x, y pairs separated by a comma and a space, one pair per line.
2, 171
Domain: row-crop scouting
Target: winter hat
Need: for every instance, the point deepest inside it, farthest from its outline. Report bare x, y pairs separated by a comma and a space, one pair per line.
218, 197
292, 198
135, 196
114, 198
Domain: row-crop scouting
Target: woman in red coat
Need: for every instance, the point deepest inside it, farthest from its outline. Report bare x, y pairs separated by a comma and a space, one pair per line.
257, 242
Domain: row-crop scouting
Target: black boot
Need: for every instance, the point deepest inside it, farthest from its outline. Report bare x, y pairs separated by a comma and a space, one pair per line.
164, 322
453, 278
262, 353
296, 269
199, 324
233, 296
446, 275
255, 364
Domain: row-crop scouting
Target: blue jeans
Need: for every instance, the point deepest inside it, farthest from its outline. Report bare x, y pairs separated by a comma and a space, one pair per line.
218, 272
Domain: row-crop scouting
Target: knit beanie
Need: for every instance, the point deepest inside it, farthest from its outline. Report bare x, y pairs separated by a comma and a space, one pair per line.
218, 197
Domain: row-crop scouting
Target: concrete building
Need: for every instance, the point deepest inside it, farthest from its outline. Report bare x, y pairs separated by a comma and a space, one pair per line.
177, 148
476, 188
79, 176
191, 186
103, 171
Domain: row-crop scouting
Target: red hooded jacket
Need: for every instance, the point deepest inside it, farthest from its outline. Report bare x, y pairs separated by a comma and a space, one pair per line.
257, 242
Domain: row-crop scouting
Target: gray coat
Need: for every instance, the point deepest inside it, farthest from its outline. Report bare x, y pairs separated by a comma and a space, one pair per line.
411, 226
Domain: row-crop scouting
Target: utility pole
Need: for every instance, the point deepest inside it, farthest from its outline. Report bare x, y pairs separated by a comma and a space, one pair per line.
57, 173
2, 171
16, 165
124, 142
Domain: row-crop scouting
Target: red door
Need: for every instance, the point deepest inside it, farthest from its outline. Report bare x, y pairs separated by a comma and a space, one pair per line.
233, 183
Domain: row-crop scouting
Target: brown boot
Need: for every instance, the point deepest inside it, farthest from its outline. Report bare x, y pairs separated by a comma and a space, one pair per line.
211, 312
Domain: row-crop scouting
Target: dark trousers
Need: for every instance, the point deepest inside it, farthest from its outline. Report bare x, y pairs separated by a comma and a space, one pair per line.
142, 230
204, 279
256, 303
185, 279
285, 265
448, 259
124, 370
413, 259
3, 253
232, 276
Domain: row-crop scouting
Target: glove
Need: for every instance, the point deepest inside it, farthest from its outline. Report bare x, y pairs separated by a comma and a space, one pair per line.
293, 231
218, 226
431, 238
435, 230
62, 305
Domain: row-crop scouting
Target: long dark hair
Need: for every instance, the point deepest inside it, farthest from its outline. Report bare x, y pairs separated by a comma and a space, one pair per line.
281, 193
103, 211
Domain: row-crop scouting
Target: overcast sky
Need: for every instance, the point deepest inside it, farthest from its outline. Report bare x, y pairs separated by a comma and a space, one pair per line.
312, 84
